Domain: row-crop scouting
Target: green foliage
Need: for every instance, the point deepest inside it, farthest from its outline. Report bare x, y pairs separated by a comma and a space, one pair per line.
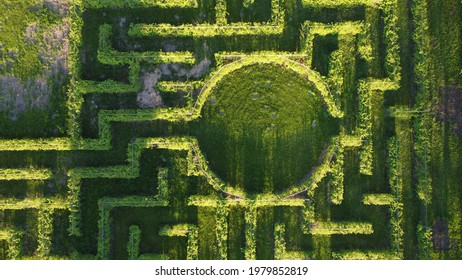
368, 255
223, 58
185, 230
25, 174
220, 12
105, 205
310, 30
272, 200
134, 239
193, 244
162, 184
261, 116
340, 3
368, 88
424, 242
248, 3
250, 217
319, 172
336, 179
176, 230
169, 86
74, 96
153, 257
354, 38
221, 27
50, 144
44, 232
13, 240
107, 86
221, 217
365, 129
107, 54
378, 199
33, 203
329, 228
396, 206
277, 12
422, 124
279, 241
129, 171
204, 30
365, 49
98, 4
298, 68
392, 57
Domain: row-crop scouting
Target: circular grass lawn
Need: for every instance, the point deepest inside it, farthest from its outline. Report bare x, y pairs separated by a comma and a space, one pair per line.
263, 128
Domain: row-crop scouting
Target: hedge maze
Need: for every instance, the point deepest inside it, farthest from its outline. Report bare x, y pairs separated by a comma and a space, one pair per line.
219, 129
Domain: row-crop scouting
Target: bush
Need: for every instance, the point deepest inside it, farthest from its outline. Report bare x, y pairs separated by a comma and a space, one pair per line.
392, 56
134, 239
423, 100
339, 3
44, 232
279, 241
250, 217
105, 205
220, 12
25, 174
367, 255
185, 230
221, 216
98, 4
13, 240
342, 228
424, 242
204, 30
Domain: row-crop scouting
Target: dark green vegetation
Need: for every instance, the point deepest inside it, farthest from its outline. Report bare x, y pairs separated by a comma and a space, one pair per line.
230, 129
267, 132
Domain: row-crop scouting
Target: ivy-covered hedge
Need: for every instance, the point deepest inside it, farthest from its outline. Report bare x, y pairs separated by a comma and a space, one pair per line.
279, 241
221, 217
98, 4
250, 217
423, 100
312, 29
162, 184
396, 206
392, 56
336, 179
107, 54
25, 174
44, 232
340, 3
366, 89
134, 239
329, 228
50, 144
378, 199
424, 242
185, 230
204, 30
33, 203
13, 240
106, 204
129, 171
365, 255
223, 58
220, 12
74, 96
